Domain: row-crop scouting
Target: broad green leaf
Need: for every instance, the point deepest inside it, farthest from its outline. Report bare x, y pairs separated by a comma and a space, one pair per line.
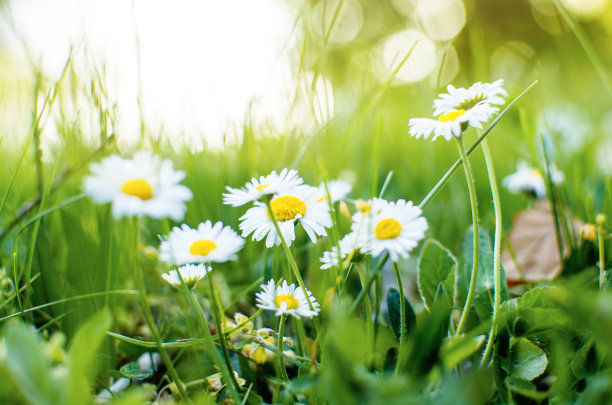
394, 315
436, 274
28, 365
528, 361
425, 344
457, 349
525, 388
83, 357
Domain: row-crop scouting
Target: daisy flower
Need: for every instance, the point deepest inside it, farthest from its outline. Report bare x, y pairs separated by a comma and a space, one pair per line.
302, 203
352, 243
338, 189
528, 179
452, 123
394, 227
459, 108
461, 98
143, 185
287, 299
190, 274
266, 185
207, 243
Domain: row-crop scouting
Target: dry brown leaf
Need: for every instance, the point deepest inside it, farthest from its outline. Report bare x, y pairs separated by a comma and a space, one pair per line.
534, 242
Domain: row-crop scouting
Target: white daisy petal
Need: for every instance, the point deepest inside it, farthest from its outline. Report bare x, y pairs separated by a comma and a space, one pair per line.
302, 203
338, 189
530, 180
265, 185
143, 185
190, 274
287, 299
208, 243
394, 227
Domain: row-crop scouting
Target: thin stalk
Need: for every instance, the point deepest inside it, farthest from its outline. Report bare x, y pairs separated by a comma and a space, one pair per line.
400, 287
291, 259
222, 341
208, 339
368, 284
368, 307
602, 266
146, 311
474, 205
279, 350
496, 250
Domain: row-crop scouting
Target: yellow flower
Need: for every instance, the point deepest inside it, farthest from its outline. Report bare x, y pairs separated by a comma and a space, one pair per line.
589, 232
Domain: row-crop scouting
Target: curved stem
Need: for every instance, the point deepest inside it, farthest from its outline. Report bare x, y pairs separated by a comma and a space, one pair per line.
208, 339
400, 287
474, 205
366, 287
496, 251
222, 341
602, 266
279, 351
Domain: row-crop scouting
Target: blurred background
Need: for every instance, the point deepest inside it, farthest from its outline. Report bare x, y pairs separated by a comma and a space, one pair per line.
327, 86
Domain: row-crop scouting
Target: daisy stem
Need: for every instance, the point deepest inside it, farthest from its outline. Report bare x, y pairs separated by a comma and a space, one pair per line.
366, 287
474, 205
148, 315
211, 348
400, 287
368, 306
602, 268
291, 259
222, 339
496, 250
279, 351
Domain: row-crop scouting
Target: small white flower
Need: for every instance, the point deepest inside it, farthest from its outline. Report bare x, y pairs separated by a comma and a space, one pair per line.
461, 98
338, 189
190, 274
207, 243
528, 179
452, 123
352, 243
302, 203
394, 227
287, 299
266, 185
143, 185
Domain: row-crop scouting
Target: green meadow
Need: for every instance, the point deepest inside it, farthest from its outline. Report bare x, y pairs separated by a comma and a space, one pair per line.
84, 306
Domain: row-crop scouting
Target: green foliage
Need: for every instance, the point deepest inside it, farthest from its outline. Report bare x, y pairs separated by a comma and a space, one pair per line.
393, 313
436, 274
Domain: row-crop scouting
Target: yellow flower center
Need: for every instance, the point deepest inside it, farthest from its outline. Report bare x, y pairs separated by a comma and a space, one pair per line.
202, 247
536, 173
388, 229
451, 115
138, 188
261, 187
286, 208
288, 299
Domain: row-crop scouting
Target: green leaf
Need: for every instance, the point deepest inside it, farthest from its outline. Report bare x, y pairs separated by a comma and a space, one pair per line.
83, 356
528, 361
28, 364
436, 274
456, 349
393, 313
485, 279
525, 388
133, 370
